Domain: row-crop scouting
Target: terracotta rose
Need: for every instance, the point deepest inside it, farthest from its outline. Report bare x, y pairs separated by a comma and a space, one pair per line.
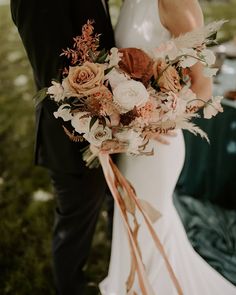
137, 64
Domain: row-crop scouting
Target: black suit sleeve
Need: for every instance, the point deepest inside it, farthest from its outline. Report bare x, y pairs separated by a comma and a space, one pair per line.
48, 26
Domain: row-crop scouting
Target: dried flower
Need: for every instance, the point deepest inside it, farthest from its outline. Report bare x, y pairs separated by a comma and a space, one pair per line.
146, 111
166, 76
137, 64
213, 107
84, 45
56, 91
64, 112
132, 138
81, 122
188, 57
100, 103
114, 57
166, 49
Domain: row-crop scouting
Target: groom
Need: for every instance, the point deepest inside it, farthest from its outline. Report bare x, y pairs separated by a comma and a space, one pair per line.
46, 27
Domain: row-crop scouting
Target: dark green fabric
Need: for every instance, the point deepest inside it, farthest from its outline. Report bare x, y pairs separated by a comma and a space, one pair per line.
212, 232
209, 171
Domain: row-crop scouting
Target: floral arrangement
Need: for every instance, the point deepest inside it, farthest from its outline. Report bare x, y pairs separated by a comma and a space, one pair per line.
118, 100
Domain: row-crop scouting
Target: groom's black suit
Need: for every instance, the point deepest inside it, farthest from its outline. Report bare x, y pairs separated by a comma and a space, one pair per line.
47, 26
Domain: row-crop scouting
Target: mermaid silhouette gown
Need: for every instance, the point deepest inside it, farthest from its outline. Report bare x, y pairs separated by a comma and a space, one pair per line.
154, 178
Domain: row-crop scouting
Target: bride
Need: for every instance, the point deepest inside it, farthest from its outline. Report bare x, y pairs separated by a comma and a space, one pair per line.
146, 24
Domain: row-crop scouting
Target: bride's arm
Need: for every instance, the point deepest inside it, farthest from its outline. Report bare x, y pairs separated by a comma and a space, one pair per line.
180, 16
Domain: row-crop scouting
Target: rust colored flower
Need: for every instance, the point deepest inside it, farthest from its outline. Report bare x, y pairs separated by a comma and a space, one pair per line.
166, 76
86, 80
84, 44
146, 111
100, 103
137, 64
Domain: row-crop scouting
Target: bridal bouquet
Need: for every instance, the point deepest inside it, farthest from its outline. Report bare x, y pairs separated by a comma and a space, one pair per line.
118, 100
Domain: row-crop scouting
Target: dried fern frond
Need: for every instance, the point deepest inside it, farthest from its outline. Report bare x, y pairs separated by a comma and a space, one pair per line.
184, 123
72, 136
197, 37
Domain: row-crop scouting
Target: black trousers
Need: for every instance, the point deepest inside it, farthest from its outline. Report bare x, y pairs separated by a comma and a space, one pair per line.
76, 216
45, 27
80, 194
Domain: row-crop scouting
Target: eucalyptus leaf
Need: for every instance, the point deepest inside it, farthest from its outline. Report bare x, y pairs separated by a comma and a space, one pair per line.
108, 118
92, 55
40, 95
92, 122
103, 122
108, 70
102, 56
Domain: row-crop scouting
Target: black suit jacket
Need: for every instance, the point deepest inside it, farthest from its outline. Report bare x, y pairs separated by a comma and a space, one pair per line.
46, 27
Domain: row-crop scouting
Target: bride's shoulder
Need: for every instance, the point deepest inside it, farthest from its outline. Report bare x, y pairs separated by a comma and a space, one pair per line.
180, 16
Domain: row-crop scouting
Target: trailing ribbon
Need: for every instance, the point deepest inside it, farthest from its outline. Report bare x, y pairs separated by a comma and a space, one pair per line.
127, 201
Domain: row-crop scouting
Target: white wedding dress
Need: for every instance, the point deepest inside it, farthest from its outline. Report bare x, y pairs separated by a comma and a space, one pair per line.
154, 179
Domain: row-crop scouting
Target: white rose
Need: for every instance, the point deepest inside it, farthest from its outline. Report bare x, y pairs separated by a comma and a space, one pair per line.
97, 135
133, 138
213, 107
56, 91
68, 90
129, 94
63, 112
115, 78
81, 125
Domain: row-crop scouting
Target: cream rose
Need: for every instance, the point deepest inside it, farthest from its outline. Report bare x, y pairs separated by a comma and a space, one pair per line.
80, 122
97, 135
129, 94
86, 79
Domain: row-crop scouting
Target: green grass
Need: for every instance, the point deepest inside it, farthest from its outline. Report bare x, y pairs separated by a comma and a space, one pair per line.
25, 225
216, 10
